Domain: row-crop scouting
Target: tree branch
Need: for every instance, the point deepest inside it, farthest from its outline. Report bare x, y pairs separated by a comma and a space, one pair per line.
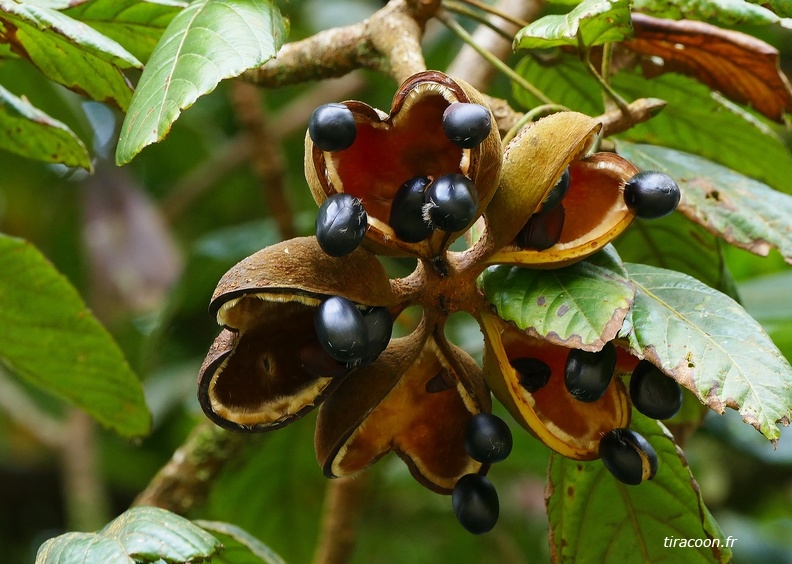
342, 508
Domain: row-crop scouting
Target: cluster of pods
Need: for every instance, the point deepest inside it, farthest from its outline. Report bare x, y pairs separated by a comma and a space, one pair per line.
309, 322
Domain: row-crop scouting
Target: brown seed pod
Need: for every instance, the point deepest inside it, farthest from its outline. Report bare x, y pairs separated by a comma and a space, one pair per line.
595, 214
411, 401
390, 149
569, 427
266, 368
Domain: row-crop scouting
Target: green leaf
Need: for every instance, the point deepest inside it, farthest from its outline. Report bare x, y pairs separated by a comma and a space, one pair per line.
710, 345
738, 209
782, 7
51, 339
68, 52
592, 22
595, 518
676, 243
583, 305
725, 12
141, 534
695, 120
135, 24
257, 548
207, 42
29, 132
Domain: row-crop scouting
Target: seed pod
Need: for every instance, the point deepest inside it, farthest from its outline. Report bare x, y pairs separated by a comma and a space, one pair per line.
340, 224
588, 374
450, 202
267, 367
332, 127
568, 426
487, 438
653, 393
475, 503
341, 330
628, 456
543, 230
466, 125
407, 143
652, 194
406, 215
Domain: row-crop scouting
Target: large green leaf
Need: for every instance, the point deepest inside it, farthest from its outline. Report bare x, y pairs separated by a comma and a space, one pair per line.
676, 243
49, 337
709, 344
592, 22
29, 132
68, 52
135, 24
740, 210
595, 518
582, 305
726, 12
695, 120
141, 534
207, 42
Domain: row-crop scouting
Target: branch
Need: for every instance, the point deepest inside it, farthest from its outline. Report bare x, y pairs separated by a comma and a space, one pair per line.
343, 503
389, 41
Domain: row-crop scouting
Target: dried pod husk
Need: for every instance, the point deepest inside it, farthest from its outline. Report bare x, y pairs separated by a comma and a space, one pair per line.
267, 367
412, 401
595, 214
566, 425
390, 149
532, 164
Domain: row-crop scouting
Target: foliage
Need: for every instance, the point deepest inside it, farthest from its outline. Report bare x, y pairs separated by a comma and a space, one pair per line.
681, 291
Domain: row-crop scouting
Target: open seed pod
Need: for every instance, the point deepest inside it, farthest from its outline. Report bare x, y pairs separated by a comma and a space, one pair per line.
410, 142
267, 367
410, 401
536, 395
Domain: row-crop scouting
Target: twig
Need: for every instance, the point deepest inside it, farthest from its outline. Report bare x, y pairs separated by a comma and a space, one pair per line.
389, 41
496, 11
462, 10
18, 407
529, 117
343, 505
184, 481
267, 160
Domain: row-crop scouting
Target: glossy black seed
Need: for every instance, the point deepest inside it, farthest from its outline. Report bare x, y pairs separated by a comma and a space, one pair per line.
466, 125
534, 374
332, 127
628, 456
379, 325
487, 438
652, 194
475, 503
406, 216
653, 393
543, 230
588, 374
341, 329
450, 202
558, 192
341, 224
315, 360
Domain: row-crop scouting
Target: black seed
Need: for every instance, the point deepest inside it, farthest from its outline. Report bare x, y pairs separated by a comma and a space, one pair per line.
475, 503
341, 329
653, 393
557, 193
406, 216
652, 194
588, 374
534, 373
315, 360
466, 125
450, 202
341, 224
487, 438
628, 456
332, 127
543, 229
379, 325
437, 383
